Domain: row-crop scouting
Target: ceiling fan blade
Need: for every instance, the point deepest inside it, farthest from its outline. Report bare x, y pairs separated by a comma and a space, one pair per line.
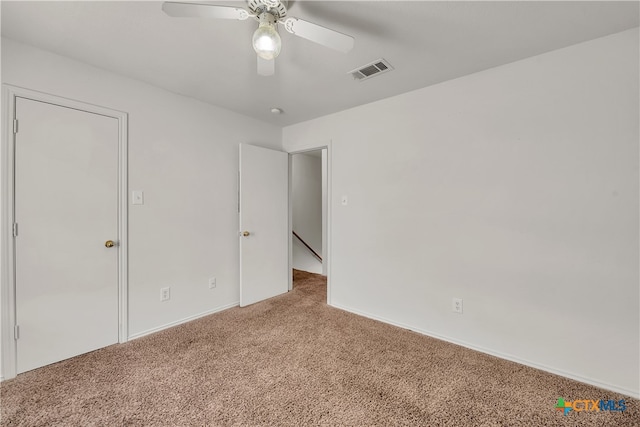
266, 67
319, 34
198, 10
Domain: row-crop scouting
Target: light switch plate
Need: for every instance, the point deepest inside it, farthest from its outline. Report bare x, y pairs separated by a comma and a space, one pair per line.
137, 197
345, 200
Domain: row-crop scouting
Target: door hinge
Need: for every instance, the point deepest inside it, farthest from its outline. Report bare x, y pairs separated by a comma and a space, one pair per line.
15, 125
15, 229
16, 332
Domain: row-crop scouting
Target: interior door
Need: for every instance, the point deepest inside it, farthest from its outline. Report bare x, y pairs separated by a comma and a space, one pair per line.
264, 223
66, 208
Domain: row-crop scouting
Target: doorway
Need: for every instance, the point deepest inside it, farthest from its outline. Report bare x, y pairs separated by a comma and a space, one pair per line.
64, 232
308, 211
260, 181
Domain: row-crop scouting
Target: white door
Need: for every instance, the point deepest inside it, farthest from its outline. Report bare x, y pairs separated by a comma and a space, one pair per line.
264, 223
66, 208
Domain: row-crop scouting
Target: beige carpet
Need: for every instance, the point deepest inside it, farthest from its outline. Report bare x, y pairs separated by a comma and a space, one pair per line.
294, 361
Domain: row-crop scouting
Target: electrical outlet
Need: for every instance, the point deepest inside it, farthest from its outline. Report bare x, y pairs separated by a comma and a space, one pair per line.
457, 305
212, 282
165, 294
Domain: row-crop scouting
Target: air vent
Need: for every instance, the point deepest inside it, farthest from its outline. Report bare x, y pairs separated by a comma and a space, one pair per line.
374, 68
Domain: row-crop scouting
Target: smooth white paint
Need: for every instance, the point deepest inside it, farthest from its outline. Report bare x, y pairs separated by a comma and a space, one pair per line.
7, 259
522, 179
516, 189
137, 197
181, 321
303, 259
184, 154
325, 208
306, 201
66, 205
506, 356
212, 59
264, 223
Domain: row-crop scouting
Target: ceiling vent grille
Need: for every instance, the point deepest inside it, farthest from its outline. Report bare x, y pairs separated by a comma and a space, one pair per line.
374, 68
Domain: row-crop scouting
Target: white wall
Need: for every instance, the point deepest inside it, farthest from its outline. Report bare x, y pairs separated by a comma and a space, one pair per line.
184, 155
516, 189
306, 201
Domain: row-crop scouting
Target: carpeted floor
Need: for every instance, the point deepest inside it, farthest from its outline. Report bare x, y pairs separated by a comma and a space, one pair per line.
294, 361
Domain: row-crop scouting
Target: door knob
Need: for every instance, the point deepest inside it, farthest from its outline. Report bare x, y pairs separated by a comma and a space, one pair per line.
245, 233
109, 243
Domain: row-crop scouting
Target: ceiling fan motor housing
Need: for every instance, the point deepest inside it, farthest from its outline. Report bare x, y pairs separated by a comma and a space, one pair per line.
277, 8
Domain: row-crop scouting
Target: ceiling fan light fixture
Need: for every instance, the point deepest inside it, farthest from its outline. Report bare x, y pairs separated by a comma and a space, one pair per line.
266, 40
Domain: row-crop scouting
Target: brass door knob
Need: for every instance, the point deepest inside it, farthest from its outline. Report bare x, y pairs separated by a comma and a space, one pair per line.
245, 233
109, 243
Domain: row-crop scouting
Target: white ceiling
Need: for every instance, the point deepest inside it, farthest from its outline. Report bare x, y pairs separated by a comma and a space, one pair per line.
213, 61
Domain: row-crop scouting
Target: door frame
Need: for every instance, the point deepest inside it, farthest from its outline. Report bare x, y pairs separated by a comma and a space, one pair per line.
7, 244
326, 248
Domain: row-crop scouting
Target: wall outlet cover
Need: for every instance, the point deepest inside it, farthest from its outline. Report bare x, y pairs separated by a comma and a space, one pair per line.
457, 305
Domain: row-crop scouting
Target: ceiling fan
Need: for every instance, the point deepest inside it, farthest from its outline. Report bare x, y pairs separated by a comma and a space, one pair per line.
266, 40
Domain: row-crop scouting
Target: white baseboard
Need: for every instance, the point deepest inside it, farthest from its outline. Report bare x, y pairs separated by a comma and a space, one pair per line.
181, 321
628, 392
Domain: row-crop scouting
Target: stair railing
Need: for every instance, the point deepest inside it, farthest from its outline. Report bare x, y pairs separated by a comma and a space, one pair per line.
307, 246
